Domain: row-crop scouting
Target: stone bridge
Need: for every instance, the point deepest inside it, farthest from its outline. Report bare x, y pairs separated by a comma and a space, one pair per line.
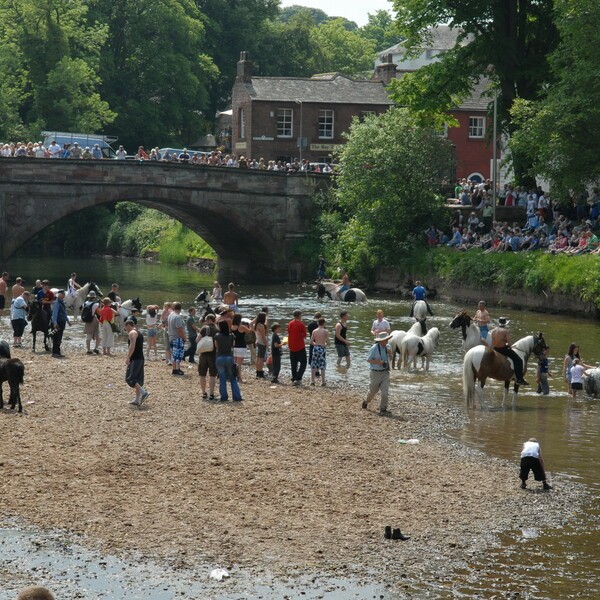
251, 218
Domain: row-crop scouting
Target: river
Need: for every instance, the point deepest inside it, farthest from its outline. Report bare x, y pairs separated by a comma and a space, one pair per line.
563, 563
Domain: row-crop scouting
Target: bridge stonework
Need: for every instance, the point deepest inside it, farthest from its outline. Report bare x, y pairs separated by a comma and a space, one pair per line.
251, 218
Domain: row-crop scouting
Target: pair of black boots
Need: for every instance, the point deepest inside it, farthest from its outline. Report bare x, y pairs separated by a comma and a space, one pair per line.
260, 374
394, 534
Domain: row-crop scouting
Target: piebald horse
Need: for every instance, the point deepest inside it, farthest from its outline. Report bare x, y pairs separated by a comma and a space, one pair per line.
481, 363
471, 334
329, 289
413, 346
75, 301
420, 309
418, 328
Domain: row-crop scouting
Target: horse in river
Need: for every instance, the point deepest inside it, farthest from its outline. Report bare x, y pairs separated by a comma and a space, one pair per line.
75, 301
330, 289
40, 321
471, 334
413, 346
591, 382
481, 363
126, 309
418, 328
12, 370
420, 309
202, 299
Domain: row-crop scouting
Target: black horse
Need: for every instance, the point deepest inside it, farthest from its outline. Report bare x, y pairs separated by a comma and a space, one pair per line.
13, 371
40, 321
202, 298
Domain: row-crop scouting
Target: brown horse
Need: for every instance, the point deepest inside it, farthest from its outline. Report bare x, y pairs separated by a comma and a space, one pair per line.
481, 363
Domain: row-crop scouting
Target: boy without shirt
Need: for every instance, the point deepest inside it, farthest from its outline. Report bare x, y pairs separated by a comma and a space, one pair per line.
318, 341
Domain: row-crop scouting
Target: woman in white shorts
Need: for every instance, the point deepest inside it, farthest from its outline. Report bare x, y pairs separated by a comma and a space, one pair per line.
240, 350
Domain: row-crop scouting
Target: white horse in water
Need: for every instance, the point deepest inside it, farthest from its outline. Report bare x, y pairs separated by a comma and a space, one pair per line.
125, 310
420, 309
75, 301
481, 363
471, 334
330, 289
418, 328
413, 346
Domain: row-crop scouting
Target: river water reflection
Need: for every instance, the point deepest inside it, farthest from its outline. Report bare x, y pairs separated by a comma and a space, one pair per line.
569, 431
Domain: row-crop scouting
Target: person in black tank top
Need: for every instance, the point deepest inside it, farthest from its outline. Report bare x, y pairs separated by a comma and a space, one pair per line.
342, 345
134, 375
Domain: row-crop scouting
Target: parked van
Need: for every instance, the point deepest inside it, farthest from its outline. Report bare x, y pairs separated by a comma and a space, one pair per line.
83, 139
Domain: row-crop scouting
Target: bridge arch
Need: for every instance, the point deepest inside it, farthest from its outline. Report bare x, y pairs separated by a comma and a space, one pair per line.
249, 217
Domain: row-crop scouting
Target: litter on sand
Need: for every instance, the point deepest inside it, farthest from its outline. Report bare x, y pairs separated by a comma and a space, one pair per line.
411, 441
219, 574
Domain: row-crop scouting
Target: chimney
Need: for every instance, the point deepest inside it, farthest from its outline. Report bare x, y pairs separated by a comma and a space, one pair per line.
244, 68
385, 71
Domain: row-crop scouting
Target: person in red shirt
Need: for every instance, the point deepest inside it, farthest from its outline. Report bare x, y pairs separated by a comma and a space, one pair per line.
296, 336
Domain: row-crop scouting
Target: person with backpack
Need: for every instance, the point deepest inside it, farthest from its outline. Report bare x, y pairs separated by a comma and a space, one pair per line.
91, 325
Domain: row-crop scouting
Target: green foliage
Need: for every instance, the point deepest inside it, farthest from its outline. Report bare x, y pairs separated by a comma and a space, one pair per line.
381, 30
535, 272
386, 193
567, 118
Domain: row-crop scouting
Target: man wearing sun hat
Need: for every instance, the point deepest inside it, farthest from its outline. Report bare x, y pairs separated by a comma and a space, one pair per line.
501, 344
379, 363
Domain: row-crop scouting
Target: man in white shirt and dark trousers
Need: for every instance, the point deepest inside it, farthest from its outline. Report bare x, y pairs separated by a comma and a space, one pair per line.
379, 363
531, 459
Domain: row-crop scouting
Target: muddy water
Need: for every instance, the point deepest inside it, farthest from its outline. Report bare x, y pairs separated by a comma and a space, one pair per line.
557, 564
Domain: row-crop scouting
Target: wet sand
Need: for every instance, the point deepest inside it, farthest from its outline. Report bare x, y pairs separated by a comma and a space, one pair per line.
289, 482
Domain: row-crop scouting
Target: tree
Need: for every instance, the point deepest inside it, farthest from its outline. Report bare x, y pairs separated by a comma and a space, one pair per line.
560, 131
386, 192
508, 41
381, 30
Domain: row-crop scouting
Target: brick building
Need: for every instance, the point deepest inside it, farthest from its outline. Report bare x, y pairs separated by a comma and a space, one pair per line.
283, 118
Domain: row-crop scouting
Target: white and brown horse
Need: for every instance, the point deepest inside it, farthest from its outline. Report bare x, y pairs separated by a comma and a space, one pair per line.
471, 334
414, 346
418, 328
481, 363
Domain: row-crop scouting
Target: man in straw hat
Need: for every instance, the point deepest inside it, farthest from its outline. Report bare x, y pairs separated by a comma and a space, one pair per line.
501, 344
379, 363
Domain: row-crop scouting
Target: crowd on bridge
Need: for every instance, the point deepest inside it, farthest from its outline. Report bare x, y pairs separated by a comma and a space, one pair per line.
546, 227
214, 158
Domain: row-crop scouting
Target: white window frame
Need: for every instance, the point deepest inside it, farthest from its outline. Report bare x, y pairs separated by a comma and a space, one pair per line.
477, 127
242, 123
285, 123
326, 124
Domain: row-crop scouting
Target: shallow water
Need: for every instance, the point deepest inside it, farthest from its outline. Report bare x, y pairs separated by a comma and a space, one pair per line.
536, 564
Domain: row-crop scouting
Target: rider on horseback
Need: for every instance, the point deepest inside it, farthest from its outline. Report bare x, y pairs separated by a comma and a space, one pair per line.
501, 344
419, 293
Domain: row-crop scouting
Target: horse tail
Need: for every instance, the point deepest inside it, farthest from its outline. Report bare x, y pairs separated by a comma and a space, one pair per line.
468, 378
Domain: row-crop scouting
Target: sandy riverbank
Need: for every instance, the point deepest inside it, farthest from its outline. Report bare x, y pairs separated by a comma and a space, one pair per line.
291, 481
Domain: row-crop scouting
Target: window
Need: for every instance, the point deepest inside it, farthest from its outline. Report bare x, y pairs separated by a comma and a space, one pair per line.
476, 127
284, 123
242, 117
326, 124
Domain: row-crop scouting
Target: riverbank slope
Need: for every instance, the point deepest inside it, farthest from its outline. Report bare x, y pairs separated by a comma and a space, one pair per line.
291, 481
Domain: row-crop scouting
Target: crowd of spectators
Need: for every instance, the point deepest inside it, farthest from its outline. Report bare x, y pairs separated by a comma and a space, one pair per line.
215, 158
545, 228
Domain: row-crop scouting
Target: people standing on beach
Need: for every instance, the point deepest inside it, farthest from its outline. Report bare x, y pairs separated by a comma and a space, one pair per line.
482, 320
240, 346
224, 341
134, 374
310, 328
319, 340
192, 333
262, 342
207, 358
18, 288
531, 460
3, 290
380, 324
501, 344
91, 328
106, 318
543, 373
342, 345
296, 337
59, 320
276, 345
152, 328
379, 364
176, 330
164, 323
18, 317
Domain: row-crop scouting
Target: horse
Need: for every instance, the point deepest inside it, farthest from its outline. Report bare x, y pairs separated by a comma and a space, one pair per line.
414, 345
591, 382
126, 309
4, 349
329, 289
40, 321
418, 328
206, 309
13, 371
75, 301
420, 309
470, 332
482, 362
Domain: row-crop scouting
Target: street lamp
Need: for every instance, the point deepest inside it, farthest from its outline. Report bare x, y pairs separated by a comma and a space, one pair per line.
495, 158
300, 140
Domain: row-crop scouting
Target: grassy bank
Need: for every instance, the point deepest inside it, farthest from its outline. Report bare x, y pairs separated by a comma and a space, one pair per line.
534, 272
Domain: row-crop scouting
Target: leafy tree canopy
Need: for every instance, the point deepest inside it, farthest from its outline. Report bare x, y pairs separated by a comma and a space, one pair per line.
381, 30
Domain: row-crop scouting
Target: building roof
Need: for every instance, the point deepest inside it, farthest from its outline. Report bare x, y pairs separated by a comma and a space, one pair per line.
478, 100
328, 88
442, 37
